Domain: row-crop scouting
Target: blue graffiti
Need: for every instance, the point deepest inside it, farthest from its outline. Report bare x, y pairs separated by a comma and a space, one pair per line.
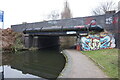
84, 43
95, 42
105, 41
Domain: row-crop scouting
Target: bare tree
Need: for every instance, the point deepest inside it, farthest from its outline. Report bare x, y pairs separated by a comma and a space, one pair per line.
104, 7
54, 15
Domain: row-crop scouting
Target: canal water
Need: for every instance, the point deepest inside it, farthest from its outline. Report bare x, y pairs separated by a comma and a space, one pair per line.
43, 64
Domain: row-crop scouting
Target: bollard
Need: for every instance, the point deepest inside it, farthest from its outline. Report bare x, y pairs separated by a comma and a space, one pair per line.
78, 47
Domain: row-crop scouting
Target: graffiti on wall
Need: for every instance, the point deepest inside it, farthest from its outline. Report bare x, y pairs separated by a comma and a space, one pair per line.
111, 20
95, 42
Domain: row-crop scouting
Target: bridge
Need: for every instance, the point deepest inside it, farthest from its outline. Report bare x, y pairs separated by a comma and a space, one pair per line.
46, 34
49, 36
35, 33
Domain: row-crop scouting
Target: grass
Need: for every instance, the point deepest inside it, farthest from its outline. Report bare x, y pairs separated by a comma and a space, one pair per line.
107, 58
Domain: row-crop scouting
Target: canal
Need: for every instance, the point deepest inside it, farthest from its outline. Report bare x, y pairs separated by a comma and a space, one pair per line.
42, 64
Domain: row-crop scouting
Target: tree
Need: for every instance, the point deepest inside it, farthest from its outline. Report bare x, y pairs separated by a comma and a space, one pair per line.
54, 15
104, 7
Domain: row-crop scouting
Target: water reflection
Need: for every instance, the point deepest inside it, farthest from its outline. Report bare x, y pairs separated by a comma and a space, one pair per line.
9, 72
33, 64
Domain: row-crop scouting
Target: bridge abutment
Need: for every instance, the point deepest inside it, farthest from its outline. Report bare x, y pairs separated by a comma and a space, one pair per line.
28, 40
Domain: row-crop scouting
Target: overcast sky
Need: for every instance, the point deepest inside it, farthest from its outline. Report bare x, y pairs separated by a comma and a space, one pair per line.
18, 11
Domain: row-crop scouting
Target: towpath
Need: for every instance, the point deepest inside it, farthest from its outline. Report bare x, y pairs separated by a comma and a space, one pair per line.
80, 66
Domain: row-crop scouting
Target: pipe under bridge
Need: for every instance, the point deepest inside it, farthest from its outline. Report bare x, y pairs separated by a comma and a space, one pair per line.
45, 37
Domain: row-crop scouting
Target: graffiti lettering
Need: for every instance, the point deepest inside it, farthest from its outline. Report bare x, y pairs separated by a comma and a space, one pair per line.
94, 42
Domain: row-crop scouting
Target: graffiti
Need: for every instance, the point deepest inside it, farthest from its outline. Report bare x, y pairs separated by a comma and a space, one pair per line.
115, 20
95, 42
109, 20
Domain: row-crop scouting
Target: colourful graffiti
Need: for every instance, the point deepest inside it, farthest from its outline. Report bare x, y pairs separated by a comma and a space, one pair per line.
95, 42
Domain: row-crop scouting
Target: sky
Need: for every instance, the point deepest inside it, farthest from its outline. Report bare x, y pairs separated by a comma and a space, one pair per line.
19, 11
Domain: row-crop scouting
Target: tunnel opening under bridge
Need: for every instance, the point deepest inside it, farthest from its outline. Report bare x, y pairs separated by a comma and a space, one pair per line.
49, 42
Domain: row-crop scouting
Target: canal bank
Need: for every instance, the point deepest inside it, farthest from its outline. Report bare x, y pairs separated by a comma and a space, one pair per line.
79, 66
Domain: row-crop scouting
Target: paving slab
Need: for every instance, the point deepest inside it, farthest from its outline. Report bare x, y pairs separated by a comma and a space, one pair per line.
80, 66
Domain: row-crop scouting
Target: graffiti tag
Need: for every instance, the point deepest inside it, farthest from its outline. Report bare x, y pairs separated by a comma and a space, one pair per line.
109, 20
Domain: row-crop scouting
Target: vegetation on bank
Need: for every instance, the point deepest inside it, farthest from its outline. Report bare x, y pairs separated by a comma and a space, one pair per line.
107, 59
10, 41
18, 44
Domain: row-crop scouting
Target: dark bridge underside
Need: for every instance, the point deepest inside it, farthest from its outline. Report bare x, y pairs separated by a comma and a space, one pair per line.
41, 41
